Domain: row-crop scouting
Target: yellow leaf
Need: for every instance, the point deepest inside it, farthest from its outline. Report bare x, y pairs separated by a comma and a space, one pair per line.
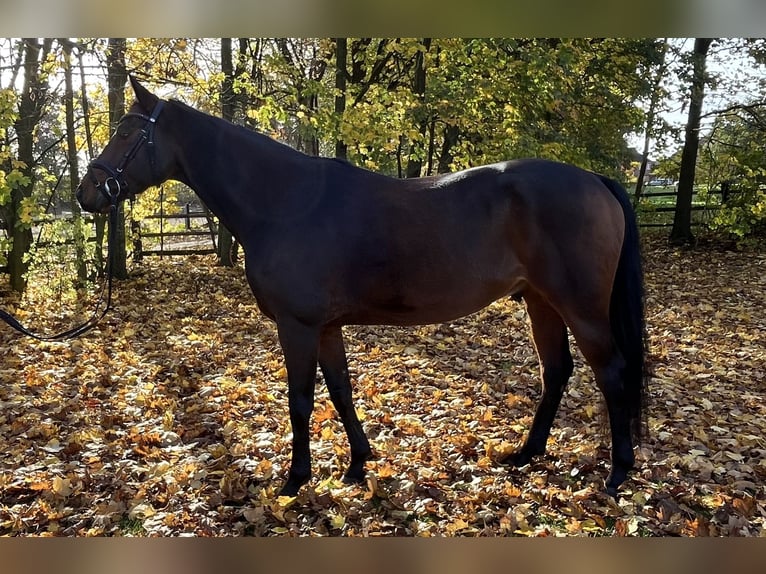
386, 470
459, 524
337, 521
62, 486
285, 501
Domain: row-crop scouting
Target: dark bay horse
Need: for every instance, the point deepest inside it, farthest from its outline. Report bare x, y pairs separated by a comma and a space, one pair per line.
328, 244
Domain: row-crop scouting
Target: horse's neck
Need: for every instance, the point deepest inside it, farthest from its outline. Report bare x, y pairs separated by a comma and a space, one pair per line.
241, 176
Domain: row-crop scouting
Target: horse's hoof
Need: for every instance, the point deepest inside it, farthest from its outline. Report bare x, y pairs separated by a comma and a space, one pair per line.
517, 459
355, 474
614, 480
292, 486
354, 478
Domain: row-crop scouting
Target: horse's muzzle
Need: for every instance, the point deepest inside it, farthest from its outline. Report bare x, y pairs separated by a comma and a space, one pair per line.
91, 202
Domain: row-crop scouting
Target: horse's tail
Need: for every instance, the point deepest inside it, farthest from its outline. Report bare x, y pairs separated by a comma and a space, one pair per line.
626, 314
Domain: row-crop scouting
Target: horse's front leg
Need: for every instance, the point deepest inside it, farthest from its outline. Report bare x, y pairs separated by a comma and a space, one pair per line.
300, 345
332, 360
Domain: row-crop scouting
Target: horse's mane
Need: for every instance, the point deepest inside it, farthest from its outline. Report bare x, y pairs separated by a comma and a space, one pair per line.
240, 129
261, 138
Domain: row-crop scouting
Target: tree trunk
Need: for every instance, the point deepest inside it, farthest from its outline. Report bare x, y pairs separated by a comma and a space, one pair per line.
415, 162
30, 112
117, 78
451, 134
226, 255
341, 53
651, 114
308, 142
682, 232
100, 220
79, 238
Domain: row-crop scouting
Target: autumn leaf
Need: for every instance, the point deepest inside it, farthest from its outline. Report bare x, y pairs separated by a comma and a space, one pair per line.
62, 486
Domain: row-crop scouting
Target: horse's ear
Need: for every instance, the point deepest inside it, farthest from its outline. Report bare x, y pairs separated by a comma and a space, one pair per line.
147, 99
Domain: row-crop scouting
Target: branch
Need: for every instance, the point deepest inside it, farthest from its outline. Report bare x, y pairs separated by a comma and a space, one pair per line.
749, 108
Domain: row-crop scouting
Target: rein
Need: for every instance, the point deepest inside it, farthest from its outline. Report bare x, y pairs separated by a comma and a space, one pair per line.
113, 188
97, 316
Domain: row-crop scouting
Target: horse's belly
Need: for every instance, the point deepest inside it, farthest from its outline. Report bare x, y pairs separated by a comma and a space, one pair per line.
434, 303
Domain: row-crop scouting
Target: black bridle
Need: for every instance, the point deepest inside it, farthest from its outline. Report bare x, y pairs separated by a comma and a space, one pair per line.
114, 187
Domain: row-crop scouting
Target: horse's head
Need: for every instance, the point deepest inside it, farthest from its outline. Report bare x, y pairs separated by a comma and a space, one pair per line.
137, 156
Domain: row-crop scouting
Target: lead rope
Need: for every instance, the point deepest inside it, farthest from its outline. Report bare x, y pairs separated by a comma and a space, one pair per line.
97, 315
111, 242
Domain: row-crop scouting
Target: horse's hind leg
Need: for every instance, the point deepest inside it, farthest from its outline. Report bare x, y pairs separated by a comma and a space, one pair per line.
597, 345
332, 360
550, 337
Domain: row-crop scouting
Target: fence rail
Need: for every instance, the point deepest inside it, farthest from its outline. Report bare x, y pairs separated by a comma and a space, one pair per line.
654, 215
192, 247
199, 225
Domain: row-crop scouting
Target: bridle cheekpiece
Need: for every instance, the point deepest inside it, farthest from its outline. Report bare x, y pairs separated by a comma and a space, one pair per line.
114, 187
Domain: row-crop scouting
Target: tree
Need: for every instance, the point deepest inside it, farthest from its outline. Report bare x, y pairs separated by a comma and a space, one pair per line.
31, 107
69, 99
656, 97
681, 232
305, 63
733, 159
226, 255
421, 119
341, 75
117, 79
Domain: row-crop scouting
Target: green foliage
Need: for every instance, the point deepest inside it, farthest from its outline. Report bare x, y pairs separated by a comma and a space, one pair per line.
8, 179
571, 100
743, 217
9, 170
734, 155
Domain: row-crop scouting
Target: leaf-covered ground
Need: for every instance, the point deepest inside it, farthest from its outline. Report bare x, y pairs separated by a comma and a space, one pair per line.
171, 419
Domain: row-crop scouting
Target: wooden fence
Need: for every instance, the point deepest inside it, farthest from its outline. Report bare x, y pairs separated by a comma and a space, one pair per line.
198, 236
661, 205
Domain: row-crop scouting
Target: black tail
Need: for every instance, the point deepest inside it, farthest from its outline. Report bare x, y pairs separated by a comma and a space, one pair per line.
626, 313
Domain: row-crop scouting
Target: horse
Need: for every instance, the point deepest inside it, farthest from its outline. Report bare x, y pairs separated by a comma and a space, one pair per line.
328, 244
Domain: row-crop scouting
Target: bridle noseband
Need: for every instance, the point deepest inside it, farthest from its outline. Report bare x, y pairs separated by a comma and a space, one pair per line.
114, 187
